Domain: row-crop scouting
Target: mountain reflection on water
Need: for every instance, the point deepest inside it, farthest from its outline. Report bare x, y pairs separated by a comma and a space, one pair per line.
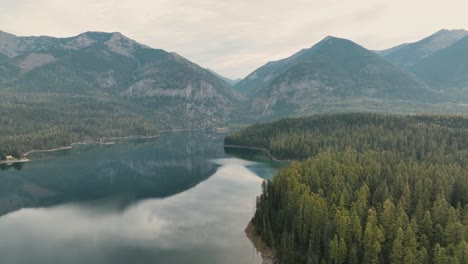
175, 199
127, 171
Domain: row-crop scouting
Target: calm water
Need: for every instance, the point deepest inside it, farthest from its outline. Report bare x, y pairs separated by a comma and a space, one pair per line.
176, 199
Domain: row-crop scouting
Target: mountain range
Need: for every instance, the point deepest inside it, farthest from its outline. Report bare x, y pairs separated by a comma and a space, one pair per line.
331, 72
110, 64
440, 60
113, 85
338, 75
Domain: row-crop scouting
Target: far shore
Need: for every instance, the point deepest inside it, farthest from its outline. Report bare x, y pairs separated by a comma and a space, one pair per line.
14, 161
87, 143
106, 142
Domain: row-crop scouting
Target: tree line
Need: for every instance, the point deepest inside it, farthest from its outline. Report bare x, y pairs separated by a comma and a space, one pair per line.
43, 121
369, 188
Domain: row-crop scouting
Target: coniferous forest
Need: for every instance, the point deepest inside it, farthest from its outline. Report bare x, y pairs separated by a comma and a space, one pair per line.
367, 188
43, 121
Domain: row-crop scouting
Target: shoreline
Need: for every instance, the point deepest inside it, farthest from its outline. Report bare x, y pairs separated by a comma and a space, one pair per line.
261, 149
96, 142
11, 162
267, 253
88, 143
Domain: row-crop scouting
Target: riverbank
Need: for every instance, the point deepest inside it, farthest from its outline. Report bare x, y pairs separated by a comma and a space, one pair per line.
267, 253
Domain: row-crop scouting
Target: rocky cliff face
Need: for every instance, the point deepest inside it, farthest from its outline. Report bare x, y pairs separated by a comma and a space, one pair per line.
110, 64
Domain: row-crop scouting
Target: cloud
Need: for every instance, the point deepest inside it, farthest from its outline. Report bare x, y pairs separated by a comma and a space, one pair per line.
235, 37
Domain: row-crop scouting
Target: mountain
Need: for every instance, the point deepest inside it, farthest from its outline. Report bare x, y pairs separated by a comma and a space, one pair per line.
410, 54
229, 81
446, 69
96, 63
101, 84
333, 75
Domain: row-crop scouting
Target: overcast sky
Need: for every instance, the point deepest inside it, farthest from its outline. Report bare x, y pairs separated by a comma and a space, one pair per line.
236, 37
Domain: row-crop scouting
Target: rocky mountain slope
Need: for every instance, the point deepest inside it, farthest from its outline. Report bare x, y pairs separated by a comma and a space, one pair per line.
55, 91
231, 82
112, 65
335, 75
407, 55
446, 69
439, 60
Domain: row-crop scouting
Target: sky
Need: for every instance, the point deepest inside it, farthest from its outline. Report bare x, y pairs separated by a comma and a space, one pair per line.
236, 37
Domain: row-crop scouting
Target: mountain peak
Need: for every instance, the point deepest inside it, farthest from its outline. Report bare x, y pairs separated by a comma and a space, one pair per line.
451, 31
447, 35
412, 53
329, 39
332, 40
97, 35
115, 41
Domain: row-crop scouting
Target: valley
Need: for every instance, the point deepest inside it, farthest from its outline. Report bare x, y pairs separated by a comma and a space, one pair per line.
55, 91
362, 153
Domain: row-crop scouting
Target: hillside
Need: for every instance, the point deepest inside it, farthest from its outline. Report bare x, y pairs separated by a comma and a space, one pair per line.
335, 75
368, 189
409, 54
231, 82
447, 69
85, 86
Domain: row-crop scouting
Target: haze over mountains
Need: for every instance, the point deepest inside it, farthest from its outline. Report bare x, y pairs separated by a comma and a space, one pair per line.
409, 54
109, 64
95, 77
337, 75
440, 60
332, 71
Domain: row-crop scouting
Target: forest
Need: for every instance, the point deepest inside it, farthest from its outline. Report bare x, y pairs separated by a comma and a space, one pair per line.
31, 121
365, 188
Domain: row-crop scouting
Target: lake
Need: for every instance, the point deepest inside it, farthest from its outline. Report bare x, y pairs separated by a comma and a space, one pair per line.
179, 198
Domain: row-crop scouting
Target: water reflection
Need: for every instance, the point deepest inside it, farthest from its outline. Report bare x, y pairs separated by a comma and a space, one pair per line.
258, 158
126, 172
17, 166
190, 226
201, 224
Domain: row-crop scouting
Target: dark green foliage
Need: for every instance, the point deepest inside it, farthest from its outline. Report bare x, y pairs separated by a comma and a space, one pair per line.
369, 189
99, 85
42, 121
418, 137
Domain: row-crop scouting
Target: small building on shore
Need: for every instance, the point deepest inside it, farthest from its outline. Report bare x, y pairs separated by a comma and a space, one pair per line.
9, 157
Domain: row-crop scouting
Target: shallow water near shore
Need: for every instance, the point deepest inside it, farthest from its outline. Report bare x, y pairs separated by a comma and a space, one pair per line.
178, 198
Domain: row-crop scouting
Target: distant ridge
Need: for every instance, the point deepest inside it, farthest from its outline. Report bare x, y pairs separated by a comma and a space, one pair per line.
447, 69
111, 64
334, 71
410, 54
229, 81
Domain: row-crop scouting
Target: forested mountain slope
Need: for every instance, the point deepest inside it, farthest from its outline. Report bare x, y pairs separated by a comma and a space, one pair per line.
58, 90
409, 54
447, 69
334, 75
369, 189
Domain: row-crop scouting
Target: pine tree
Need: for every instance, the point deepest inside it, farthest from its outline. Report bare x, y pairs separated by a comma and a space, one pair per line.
398, 250
373, 238
461, 252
